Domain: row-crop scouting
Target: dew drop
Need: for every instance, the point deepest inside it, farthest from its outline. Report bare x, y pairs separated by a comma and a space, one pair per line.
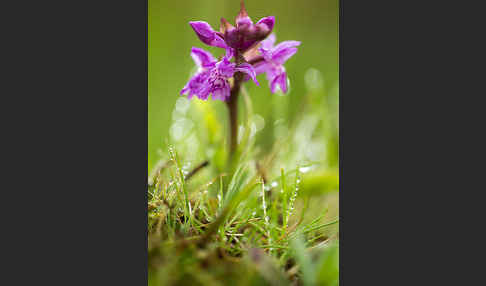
304, 170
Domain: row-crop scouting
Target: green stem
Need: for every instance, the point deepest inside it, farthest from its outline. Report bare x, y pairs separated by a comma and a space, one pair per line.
284, 203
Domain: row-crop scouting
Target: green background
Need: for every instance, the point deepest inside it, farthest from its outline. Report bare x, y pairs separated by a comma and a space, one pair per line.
170, 38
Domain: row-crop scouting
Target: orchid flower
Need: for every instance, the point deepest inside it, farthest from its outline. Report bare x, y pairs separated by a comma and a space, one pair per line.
253, 54
205, 62
273, 59
213, 76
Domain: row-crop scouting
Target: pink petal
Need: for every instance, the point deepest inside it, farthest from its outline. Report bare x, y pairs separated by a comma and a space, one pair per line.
207, 35
226, 68
218, 41
283, 51
229, 53
281, 81
283, 55
285, 45
269, 22
261, 67
248, 69
196, 84
222, 93
243, 22
268, 43
203, 93
184, 90
201, 57
203, 30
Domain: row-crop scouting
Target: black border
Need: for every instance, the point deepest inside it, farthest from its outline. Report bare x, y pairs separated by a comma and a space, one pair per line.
75, 199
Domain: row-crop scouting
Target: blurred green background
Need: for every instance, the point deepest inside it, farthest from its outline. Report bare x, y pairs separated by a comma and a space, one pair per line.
313, 70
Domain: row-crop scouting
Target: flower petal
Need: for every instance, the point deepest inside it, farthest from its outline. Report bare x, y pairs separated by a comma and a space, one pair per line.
246, 34
248, 69
191, 94
281, 81
267, 23
218, 95
269, 42
203, 93
244, 22
283, 51
184, 90
202, 58
230, 52
285, 45
222, 93
207, 35
273, 71
196, 84
283, 55
266, 47
261, 67
203, 31
225, 68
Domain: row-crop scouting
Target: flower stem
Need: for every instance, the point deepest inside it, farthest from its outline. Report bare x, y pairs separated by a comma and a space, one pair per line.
233, 116
232, 104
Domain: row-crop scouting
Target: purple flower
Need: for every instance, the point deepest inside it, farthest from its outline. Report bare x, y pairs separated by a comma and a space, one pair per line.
243, 36
212, 76
207, 35
273, 59
205, 62
253, 55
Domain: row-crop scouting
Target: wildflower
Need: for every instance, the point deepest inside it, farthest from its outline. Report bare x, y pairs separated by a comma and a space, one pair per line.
253, 55
273, 58
240, 37
205, 62
213, 76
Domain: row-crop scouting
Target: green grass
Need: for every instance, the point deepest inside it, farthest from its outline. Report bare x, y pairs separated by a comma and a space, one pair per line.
268, 218
246, 232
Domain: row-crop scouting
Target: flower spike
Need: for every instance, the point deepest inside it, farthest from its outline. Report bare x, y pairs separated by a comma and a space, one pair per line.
240, 37
254, 47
